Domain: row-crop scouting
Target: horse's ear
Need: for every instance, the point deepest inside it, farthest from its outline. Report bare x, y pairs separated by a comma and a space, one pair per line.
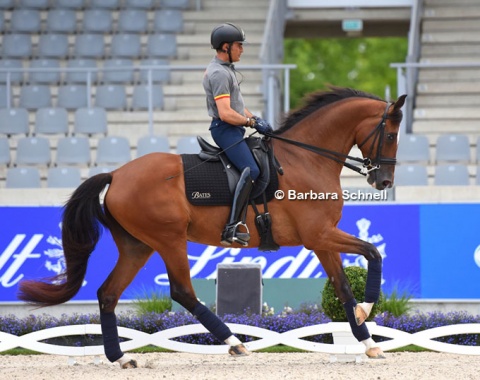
400, 102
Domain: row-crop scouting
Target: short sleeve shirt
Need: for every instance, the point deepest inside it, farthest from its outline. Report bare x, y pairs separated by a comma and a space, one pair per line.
219, 81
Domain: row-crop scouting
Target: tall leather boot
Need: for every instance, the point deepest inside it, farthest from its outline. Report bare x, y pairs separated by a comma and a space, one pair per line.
238, 212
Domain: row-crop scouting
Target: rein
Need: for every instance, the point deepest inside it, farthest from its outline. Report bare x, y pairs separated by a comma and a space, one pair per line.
368, 165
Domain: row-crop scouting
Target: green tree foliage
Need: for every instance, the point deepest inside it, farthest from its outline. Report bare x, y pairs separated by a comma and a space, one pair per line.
361, 63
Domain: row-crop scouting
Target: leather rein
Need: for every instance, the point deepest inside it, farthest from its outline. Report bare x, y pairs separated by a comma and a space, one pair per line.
368, 164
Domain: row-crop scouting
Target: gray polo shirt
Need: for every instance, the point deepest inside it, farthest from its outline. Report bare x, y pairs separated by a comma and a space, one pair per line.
219, 81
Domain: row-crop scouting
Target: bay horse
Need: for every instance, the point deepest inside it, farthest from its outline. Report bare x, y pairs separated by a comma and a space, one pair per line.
146, 210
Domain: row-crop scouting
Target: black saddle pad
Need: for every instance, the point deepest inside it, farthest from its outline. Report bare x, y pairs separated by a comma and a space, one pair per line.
206, 182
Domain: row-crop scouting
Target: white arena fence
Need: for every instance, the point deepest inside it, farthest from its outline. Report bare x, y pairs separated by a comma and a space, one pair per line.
266, 338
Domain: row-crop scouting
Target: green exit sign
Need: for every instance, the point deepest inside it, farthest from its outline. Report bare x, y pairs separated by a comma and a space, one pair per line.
352, 25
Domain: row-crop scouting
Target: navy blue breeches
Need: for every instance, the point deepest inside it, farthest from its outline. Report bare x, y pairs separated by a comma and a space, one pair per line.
226, 136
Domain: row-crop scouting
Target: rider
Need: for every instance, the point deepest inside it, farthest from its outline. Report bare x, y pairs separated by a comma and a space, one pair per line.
229, 118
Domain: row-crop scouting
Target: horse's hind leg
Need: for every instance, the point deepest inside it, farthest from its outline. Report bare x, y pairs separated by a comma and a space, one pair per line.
133, 255
332, 263
181, 291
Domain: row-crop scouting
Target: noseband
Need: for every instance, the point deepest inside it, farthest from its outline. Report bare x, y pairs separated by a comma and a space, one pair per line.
367, 164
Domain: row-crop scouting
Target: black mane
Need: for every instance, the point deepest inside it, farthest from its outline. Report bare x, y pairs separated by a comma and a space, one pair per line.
320, 99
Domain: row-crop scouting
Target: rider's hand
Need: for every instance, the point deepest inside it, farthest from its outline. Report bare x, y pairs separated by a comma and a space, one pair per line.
262, 126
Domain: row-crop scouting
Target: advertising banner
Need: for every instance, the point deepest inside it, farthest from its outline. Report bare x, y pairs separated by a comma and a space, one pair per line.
430, 251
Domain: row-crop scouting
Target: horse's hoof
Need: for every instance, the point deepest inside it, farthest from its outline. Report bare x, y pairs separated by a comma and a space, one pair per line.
360, 315
375, 353
239, 350
130, 364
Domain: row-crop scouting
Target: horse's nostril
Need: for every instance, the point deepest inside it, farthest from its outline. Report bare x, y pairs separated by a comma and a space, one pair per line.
387, 183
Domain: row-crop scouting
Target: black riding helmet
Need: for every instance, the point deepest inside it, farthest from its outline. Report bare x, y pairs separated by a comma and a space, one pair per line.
226, 32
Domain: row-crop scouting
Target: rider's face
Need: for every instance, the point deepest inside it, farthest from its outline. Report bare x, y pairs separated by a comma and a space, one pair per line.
236, 51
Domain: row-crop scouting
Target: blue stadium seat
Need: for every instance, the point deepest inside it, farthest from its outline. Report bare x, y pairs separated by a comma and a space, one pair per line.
81, 76
51, 121
64, 177
73, 151
107, 4
25, 20
175, 4
15, 77
53, 45
140, 4
187, 145
126, 45
16, 46
61, 21
168, 21
161, 45
112, 96
97, 20
7, 4
2, 22
71, 4
35, 96
23, 177
113, 75
413, 148
72, 96
158, 76
150, 144
113, 150
90, 121
451, 175
452, 147
33, 151
14, 121
140, 97
35, 4
89, 46
411, 175
132, 20
44, 77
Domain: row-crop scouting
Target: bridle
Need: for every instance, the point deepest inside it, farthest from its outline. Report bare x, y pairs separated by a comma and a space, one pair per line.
368, 164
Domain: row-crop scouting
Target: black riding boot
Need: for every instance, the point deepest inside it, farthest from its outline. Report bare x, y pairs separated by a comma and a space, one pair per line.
238, 212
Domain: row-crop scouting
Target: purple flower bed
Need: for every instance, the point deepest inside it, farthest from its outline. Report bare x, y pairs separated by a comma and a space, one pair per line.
153, 322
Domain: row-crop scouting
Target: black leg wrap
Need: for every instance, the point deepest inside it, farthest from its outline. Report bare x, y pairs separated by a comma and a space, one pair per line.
211, 322
374, 281
111, 343
359, 332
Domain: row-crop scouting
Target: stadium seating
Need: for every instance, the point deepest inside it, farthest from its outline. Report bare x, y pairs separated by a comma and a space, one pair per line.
64, 177
23, 177
411, 175
51, 121
150, 144
451, 175
33, 151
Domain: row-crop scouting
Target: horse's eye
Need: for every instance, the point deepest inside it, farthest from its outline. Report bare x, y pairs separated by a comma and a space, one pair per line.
391, 136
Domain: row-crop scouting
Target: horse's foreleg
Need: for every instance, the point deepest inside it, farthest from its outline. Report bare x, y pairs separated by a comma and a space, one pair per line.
108, 295
332, 263
181, 291
340, 241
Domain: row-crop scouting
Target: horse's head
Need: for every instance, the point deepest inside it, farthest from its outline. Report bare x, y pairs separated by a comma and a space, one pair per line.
379, 146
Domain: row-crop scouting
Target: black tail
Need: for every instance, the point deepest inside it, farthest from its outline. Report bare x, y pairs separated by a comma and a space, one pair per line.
80, 234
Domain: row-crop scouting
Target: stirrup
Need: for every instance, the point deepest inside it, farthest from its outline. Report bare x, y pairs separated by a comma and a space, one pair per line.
231, 235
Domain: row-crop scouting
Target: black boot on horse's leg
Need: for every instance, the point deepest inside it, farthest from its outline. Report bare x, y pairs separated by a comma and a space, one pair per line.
238, 211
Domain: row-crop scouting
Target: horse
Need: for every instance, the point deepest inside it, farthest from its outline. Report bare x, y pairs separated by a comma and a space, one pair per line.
146, 210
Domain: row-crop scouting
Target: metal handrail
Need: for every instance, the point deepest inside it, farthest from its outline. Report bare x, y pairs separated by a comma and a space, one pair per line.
270, 93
